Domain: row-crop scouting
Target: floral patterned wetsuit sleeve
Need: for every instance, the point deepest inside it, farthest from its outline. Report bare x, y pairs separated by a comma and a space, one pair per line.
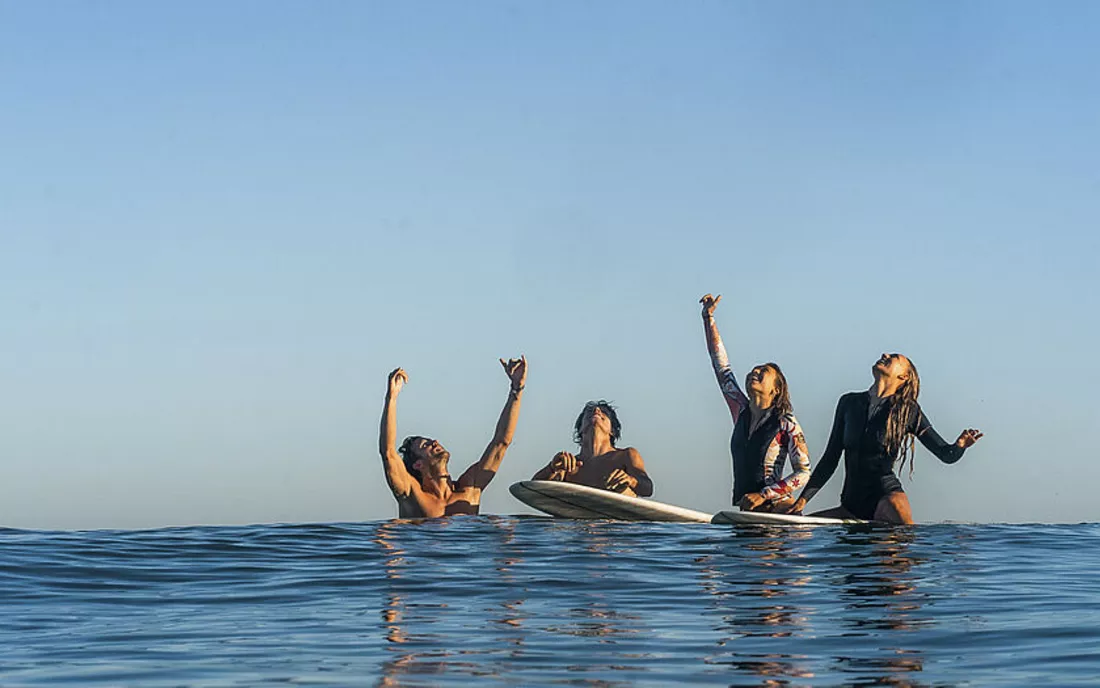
789, 444
727, 381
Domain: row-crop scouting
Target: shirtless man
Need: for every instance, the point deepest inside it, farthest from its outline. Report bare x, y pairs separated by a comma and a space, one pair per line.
600, 463
417, 472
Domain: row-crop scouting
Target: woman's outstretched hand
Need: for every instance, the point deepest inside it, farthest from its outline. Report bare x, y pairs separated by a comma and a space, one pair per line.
967, 438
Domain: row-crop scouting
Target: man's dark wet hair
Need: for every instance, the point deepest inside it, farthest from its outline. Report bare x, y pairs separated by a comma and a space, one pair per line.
609, 411
406, 452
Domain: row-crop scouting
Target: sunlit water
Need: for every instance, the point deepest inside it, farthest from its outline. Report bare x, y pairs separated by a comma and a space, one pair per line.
523, 600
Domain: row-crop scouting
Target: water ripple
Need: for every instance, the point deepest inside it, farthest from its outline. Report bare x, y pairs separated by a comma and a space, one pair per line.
522, 600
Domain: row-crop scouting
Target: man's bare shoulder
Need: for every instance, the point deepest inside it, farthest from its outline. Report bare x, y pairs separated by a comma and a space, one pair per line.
628, 455
616, 453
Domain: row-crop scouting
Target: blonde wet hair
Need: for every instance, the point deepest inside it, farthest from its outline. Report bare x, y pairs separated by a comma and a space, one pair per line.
900, 442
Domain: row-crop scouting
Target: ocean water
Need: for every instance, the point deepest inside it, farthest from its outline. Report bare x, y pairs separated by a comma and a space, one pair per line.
535, 601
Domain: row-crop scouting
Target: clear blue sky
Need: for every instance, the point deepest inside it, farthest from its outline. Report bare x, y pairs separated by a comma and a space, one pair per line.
222, 224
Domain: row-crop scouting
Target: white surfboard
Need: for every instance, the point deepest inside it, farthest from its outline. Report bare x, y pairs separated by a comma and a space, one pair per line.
762, 518
566, 500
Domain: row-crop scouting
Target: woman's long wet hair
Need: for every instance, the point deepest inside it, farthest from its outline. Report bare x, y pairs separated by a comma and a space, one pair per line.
608, 410
900, 442
782, 404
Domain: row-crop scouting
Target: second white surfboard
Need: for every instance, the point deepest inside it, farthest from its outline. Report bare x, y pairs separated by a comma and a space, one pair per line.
566, 500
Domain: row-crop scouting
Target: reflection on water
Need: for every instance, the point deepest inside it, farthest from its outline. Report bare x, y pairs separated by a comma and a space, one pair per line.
759, 586
884, 582
532, 601
762, 575
881, 593
768, 605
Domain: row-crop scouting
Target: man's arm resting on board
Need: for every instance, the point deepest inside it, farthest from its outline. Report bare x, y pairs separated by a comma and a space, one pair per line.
560, 467
632, 475
548, 472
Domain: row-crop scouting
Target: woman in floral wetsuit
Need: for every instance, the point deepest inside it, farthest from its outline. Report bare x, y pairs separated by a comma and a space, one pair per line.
766, 435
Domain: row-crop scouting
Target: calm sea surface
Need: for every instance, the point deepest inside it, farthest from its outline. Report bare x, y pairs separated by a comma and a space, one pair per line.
526, 600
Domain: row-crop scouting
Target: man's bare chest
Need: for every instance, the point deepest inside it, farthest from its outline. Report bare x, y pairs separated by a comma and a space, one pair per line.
467, 501
595, 470
425, 505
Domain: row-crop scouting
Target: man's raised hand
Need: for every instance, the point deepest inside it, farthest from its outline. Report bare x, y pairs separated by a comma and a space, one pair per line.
397, 380
516, 368
709, 304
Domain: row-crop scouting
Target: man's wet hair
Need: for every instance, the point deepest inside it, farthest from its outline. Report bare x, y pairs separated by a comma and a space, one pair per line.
406, 452
609, 411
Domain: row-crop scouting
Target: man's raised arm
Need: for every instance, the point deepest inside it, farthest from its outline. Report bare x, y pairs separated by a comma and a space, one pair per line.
483, 471
401, 483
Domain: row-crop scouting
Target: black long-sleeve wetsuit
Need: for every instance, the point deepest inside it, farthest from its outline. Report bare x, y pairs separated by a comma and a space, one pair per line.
868, 467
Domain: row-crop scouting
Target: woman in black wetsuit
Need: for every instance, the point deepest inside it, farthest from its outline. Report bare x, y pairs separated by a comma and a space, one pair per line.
875, 429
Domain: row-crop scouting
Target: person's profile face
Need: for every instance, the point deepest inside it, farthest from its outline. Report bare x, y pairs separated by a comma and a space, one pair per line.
427, 449
596, 418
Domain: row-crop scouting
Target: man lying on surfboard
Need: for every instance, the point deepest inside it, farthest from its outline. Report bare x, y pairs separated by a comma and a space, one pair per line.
417, 472
600, 463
